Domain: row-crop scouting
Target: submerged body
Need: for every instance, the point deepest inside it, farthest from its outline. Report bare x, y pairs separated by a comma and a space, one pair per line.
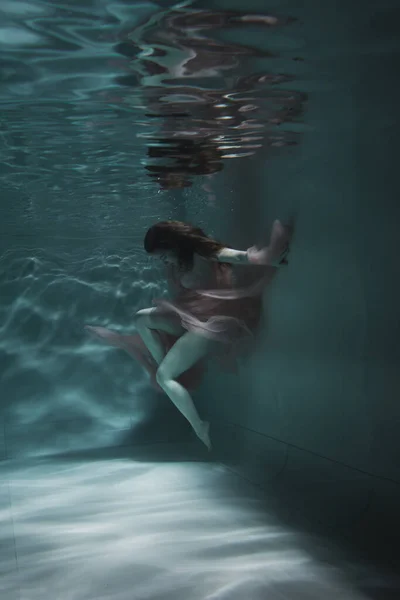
213, 311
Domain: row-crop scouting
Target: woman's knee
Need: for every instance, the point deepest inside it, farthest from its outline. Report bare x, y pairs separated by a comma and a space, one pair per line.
143, 317
162, 375
152, 319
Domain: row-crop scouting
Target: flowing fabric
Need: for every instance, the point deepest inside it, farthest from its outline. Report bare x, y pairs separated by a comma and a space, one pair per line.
227, 311
135, 347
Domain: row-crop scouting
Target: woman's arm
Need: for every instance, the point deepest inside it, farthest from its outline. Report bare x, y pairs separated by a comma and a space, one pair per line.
252, 256
231, 256
273, 255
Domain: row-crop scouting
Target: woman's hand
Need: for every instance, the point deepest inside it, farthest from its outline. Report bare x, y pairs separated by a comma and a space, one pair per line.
275, 254
262, 256
258, 256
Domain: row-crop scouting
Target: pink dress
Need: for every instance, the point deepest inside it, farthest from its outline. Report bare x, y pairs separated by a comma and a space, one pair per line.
227, 310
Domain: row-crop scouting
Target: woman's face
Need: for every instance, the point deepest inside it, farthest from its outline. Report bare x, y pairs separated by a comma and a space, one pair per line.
167, 257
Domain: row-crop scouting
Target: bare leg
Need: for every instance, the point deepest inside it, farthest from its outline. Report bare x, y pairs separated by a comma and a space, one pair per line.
189, 349
147, 320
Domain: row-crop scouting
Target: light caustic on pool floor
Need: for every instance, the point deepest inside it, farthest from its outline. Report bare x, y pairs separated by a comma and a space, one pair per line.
118, 529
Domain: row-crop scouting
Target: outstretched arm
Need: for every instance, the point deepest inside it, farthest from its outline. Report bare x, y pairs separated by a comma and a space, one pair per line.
253, 256
273, 255
231, 256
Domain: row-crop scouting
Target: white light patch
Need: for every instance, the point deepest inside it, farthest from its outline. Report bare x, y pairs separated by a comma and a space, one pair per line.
16, 36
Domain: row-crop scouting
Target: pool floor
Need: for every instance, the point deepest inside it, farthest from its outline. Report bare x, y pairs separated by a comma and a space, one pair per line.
112, 525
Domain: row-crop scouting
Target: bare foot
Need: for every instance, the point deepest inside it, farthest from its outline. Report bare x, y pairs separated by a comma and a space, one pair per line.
204, 434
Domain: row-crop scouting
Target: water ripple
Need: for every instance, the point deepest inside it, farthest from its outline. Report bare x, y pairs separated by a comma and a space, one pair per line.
88, 91
47, 298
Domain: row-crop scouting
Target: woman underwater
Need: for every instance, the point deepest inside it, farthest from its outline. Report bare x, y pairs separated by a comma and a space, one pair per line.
211, 314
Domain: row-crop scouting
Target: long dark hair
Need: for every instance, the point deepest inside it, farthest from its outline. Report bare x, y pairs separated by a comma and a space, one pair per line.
183, 239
